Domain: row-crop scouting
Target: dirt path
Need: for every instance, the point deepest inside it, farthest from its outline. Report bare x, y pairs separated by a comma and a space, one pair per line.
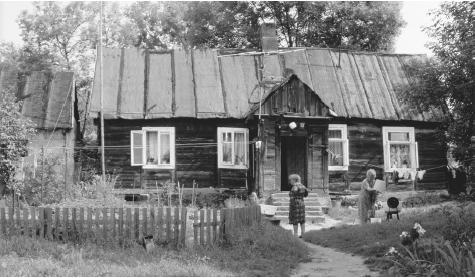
329, 262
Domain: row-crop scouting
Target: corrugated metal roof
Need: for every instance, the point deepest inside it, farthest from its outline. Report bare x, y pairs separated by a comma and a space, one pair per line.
47, 100
205, 84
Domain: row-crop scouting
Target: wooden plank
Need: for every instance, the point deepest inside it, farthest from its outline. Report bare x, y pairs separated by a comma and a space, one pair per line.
176, 219
74, 228
25, 224
160, 223
195, 228
3, 221
65, 224
97, 224
169, 224
215, 225
10, 223
33, 221
202, 224
41, 217
81, 224
128, 224
136, 223
152, 226
145, 220
18, 221
121, 224
183, 226
49, 223
208, 226
113, 223
105, 220
89, 222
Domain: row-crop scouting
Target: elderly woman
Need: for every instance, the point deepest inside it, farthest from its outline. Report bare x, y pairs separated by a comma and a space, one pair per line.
367, 197
297, 205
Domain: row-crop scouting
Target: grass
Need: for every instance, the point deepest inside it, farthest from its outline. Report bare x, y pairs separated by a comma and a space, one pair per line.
265, 250
372, 241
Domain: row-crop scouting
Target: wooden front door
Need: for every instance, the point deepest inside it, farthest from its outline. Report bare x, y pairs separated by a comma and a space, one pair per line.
293, 159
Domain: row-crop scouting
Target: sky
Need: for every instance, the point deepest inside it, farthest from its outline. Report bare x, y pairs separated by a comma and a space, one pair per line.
411, 39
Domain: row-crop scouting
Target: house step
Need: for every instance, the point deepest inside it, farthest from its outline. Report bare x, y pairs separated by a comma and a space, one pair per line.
307, 208
307, 213
287, 203
285, 194
308, 219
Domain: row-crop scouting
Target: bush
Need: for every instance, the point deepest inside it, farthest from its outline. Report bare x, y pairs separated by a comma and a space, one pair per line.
459, 229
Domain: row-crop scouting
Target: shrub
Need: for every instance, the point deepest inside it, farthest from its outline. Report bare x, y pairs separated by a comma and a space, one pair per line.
460, 224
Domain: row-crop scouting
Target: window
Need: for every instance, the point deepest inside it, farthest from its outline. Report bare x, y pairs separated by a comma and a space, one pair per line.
233, 147
338, 156
153, 147
400, 149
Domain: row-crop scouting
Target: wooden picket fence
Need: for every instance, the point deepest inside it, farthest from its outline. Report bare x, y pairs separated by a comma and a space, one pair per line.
211, 225
101, 225
165, 224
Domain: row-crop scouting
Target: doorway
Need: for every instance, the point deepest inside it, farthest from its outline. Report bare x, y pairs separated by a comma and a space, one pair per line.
293, 159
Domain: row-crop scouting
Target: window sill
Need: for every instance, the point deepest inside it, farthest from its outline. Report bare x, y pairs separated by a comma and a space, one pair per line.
337, 168
236, 167
158, 167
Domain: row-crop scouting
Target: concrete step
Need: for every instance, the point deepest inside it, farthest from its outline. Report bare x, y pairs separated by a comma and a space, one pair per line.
307, 213
286, 194
287, 202
307, 208
308, 219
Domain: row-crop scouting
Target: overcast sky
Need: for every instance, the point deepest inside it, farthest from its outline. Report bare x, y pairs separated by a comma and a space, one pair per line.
411, 40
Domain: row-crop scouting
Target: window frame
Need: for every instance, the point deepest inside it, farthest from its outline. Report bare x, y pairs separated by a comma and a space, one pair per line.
220, 143
344, 139
159, 130
413, 147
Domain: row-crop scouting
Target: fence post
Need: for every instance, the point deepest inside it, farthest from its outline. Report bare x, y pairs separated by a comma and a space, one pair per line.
33, 221
128, 225
81, 224
208, 227
202, 224
215, 225
195, 227
160, 223
145, 219
183, 226
177, 225
104, 224
65, 224
97, 224
18, 220
49, 223
169, 224
137, 223
89, 222
121, 225
3, 221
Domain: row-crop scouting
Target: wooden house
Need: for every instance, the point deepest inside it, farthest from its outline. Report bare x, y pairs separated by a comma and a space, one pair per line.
247, 119
48, 101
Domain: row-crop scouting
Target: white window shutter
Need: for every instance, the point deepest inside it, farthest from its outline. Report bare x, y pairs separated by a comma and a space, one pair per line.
387, 160
415, 154
220, 147
137, 149
346, 153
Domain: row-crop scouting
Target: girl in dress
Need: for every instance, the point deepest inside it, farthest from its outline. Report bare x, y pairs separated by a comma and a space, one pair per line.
297, 205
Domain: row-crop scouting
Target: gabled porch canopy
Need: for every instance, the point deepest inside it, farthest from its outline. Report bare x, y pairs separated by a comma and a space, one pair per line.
292, 98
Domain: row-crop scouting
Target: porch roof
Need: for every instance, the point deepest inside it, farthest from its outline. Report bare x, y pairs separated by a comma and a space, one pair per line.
212, 83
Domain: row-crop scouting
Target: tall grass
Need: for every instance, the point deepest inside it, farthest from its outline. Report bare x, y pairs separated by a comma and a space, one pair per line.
263, 250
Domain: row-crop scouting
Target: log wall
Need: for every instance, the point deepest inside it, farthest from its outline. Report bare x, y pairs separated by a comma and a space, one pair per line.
366, 151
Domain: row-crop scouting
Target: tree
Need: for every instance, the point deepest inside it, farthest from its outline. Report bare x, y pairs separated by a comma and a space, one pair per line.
15, 130
447, 82
357, 25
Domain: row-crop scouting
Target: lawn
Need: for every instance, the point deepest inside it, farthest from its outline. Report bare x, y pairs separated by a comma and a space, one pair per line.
373, 241
263, 250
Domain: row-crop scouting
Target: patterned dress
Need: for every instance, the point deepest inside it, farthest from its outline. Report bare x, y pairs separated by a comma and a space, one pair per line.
297, 205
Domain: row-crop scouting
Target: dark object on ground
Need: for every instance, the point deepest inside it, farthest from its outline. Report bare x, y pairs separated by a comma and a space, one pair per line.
456, 180
135, 197
393, 204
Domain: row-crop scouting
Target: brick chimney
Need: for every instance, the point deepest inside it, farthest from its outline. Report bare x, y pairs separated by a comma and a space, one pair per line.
269, 38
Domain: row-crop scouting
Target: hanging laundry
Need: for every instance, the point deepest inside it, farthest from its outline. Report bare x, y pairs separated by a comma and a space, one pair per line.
413, 174
420, 174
